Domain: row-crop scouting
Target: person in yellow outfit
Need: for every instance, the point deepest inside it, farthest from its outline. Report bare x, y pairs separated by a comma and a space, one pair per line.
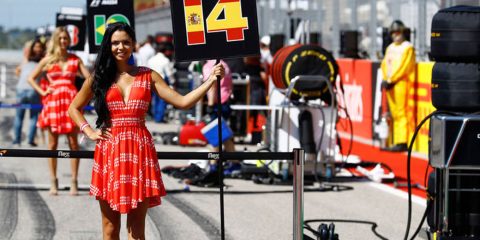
398, 67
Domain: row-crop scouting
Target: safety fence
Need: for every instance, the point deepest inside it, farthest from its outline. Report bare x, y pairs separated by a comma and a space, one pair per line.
32, 106
7, 73
297, 156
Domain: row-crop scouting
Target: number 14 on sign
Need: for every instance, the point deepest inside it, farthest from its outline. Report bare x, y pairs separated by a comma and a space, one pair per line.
226, 16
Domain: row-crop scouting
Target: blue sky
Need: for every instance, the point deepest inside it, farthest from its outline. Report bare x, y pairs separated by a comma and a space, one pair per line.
33, 13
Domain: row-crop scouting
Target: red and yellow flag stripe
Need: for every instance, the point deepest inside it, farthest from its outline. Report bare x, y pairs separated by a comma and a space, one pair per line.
194, 22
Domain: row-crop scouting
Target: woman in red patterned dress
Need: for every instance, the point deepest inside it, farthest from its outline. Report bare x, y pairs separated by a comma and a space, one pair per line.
126, 177
61, 68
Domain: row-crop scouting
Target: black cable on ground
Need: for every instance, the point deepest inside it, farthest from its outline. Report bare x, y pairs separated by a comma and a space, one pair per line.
319, 146
409, 155
344, 162
348, 118
409, 184
350, 123
425, 214
373, 224
426, 173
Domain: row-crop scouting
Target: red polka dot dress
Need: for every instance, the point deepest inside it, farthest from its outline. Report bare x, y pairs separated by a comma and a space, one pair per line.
55, 105
126, 170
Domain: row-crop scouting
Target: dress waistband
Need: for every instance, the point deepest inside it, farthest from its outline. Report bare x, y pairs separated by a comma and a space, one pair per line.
128, 122
61, 82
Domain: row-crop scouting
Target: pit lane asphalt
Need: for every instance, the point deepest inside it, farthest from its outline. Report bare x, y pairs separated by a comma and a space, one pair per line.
252, 211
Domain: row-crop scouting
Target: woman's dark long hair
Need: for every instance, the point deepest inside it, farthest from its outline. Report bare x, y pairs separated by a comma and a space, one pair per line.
31, 55
105, 71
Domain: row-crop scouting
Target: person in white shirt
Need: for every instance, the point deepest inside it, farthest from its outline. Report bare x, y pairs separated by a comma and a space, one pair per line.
162, 65
266, 57
146, 51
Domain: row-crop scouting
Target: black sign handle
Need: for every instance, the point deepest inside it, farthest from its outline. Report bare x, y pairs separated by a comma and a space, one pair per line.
220, 150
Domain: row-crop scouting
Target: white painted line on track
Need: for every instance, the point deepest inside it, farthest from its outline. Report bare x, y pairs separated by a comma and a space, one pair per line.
399, 193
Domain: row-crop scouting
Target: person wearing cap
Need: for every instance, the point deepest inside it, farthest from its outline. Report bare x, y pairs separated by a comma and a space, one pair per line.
265, 55
146, 51
398, 68
162, 65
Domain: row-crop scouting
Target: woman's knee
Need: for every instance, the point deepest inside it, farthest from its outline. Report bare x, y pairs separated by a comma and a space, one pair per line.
111, 227
72, 141
52, 140
52, 145
111, 230
110, 221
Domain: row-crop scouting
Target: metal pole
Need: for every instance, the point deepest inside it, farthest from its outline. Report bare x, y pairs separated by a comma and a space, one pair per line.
354, 15
422, 28
396, 7
307, 32
373, 30
298, 165
268, 18
197, 81
336, 28
220, 157
260, 16
288, 23
276, 17
320, 20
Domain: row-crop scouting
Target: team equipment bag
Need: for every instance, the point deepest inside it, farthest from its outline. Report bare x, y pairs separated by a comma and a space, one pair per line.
191, 135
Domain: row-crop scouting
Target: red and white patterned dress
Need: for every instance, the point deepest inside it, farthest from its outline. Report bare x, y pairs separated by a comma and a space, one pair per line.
55, 105
126, 169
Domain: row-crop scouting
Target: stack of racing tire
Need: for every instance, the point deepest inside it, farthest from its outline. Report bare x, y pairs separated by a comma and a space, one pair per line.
455, 47
312, 60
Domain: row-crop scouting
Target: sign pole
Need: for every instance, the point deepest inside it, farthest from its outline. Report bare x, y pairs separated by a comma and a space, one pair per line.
213, 29
220, 155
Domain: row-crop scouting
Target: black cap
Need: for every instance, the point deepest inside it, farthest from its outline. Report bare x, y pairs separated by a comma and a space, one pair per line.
397, 26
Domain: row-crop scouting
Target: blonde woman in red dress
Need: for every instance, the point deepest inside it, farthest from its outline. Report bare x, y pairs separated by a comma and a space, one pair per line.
126, 176
61, 68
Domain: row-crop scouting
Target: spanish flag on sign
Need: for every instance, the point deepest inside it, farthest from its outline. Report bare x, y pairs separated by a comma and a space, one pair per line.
194, 22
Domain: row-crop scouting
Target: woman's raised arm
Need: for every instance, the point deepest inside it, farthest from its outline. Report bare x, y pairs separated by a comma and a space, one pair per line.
81, 100
189, 100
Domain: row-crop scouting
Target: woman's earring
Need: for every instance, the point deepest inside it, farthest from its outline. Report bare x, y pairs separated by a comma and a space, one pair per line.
131, 60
